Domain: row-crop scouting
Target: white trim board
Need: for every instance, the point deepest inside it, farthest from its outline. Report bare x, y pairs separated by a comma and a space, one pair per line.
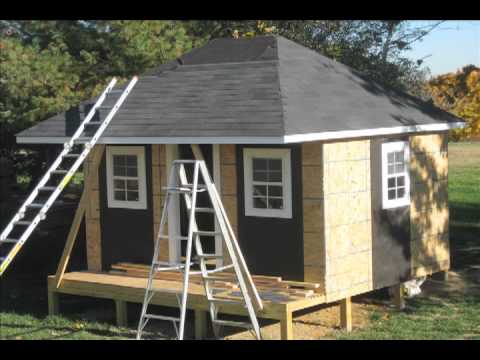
286, 139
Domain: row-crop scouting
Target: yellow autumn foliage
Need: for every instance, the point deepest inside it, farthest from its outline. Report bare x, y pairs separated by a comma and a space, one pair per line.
459, 93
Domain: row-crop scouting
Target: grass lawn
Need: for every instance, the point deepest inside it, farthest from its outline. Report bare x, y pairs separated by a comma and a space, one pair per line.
443, 311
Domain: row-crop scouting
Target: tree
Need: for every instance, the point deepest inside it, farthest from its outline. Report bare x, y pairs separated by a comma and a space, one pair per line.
459, 93
48, 66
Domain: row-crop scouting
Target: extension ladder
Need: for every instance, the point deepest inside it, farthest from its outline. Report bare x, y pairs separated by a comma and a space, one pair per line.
179, 185
37, 204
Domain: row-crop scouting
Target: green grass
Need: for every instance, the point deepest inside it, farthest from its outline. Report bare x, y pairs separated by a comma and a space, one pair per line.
28, 327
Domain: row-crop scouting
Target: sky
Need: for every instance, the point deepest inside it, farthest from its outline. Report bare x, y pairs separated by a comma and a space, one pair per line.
449, 47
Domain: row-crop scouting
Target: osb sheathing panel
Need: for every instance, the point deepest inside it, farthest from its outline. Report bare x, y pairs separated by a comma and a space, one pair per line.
347, 214
159, 180
313, 213
92, 211
429, 204
228, 174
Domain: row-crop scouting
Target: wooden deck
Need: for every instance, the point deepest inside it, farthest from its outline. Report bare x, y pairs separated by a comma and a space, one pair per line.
280, 298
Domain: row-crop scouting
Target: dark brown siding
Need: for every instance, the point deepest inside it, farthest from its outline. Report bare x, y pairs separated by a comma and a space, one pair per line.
126, 233
390, 230
273, 246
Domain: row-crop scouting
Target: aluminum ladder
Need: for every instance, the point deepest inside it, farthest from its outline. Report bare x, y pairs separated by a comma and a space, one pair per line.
179, 185
74, 153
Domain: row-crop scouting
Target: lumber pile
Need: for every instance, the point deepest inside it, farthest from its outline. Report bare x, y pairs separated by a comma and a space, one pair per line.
266, 285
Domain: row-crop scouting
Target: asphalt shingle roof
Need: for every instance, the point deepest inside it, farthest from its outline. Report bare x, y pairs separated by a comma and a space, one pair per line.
264, 87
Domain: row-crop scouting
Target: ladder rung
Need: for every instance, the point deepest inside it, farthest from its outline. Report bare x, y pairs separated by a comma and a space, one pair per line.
210, 256
161, 317
217, 278
105, 107
47, 188
204, 210
35, 205
60, 171
10, 241
232, 323
71, 155
82, 139
225, 301
207, 233
116, 91
93, 123
25, 223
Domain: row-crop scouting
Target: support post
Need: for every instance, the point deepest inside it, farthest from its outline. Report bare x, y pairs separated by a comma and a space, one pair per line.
346, 314
53, 303
200, 324
121, 313
398, 297
286, 326
444, 275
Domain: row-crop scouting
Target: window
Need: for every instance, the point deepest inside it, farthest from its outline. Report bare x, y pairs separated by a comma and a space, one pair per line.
126, 182
395, 174
267, 179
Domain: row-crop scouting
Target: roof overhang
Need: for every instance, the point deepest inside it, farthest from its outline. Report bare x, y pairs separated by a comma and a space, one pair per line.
287, 139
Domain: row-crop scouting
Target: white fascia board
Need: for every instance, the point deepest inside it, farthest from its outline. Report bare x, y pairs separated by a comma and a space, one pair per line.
287, 139
345, 134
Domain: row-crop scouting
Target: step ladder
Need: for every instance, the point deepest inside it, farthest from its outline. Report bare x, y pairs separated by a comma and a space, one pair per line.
250, 299
74, 153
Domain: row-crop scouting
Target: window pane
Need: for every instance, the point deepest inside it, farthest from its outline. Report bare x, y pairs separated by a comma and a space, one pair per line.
390, 170
118, 160
391, 194
119, 195
131, 160
275, 203
399, 168
275, 176
400, 192
391, 183
390, 158
119, 171
259, 190
401, 181
260, 203
132, 171
132, 195
260, 176
132, 184
274, 190
119, 184
275, 164
259, 164
399, 156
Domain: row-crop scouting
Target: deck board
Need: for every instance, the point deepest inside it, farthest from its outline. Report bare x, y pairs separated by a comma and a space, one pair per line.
132, 289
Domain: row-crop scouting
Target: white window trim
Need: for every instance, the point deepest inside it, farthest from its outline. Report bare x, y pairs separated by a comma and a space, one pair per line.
285, 155
139, 151
387, 148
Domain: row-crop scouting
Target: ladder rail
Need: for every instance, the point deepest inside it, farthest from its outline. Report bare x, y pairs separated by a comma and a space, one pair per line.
191, 225
188, 204
68, 176
215, 199
46, 177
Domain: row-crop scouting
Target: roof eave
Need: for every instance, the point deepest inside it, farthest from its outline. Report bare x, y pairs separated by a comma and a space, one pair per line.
286, 139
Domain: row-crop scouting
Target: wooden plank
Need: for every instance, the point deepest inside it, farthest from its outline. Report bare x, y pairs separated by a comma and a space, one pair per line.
200, 324
286, 326
121, 313
53, 303
398, 297
72, 235
346, 314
